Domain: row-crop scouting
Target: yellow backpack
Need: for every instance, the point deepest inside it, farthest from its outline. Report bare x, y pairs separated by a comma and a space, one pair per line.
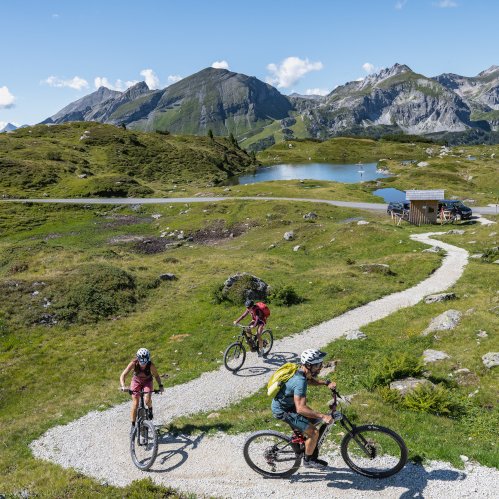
283, 374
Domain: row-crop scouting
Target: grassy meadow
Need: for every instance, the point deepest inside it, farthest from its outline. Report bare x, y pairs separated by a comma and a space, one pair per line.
63, 345
81, 287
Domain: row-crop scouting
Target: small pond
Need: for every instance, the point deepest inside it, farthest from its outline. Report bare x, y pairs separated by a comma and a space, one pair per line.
390, 194
345, 173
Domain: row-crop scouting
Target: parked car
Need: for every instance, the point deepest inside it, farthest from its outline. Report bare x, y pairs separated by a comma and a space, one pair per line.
398, 207
456, 207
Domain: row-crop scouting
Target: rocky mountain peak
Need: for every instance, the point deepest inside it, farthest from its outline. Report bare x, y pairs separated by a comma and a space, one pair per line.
489, 71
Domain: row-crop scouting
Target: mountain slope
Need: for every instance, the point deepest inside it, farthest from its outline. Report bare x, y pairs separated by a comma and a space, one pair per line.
395, 99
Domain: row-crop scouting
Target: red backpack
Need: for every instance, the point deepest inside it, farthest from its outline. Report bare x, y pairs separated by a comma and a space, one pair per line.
264, 309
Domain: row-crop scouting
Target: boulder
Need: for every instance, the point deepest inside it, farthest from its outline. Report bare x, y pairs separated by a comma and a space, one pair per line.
459, 232
433, 249
289, 236
297, 248
439, 297
355, 335
168, 277
423, 163
310, 216
404, 386
362, 222
378, 268
433, 355
491, 359
444, 322
482, 334
241, 286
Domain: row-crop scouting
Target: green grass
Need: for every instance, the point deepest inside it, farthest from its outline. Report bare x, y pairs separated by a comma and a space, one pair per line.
57, 373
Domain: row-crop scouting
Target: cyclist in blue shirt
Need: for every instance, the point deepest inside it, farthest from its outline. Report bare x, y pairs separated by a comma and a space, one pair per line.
290, 404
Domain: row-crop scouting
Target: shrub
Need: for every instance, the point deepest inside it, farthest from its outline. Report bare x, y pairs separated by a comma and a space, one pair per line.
490, 255
436, 400
54, 156
94, 292
398, 366
392, 397
285, 296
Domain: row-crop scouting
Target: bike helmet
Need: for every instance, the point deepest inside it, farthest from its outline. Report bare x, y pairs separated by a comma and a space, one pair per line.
249, 303
143, 355
312, 356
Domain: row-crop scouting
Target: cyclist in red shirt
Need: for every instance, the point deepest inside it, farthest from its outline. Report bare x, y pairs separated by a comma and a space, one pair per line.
258, 320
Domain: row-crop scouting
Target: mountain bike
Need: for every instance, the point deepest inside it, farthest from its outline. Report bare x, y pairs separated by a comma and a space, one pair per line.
144, 437
235, 353
370, 450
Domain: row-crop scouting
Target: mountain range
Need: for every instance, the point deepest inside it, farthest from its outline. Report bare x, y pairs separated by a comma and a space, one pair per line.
393, 100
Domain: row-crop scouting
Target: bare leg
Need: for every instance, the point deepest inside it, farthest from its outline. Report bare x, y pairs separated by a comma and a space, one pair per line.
311, 442
133, 410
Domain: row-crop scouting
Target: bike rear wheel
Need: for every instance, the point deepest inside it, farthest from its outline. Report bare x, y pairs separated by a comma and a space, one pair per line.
144, 445
270, 454
374, 451
267, 341
234, 356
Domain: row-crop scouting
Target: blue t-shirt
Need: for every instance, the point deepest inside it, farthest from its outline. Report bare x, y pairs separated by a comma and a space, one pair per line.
284, 400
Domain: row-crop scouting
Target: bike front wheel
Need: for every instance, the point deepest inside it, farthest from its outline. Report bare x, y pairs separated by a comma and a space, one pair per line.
374, 451
267, 341
270, 454
144, 445
234, 356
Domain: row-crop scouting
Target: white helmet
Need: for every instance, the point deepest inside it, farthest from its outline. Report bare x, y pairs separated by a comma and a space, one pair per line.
143, 355
312, 356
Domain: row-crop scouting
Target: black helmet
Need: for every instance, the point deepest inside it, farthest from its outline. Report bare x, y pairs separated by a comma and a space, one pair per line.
249, 303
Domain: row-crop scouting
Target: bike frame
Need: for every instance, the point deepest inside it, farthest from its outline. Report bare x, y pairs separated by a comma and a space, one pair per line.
325, 428
246, 335
141, 410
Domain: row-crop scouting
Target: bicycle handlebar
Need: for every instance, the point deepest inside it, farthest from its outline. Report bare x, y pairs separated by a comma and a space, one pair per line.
140, 392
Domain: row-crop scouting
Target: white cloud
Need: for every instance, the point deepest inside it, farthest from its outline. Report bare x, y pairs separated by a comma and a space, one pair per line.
151, 78
220, 65
290, 70
6, 98
120, 85
399, 4
368, 67
55, 16
317, 91
76, 83
174, 79
445, 4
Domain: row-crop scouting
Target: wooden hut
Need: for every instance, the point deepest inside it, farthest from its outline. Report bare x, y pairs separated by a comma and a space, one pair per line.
424, 206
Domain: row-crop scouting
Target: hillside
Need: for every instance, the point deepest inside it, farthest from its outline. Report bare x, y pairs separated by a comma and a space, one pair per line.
91, 159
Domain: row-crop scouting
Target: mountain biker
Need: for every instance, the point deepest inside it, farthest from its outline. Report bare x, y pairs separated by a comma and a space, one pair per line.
258, 319
143, 372
290, 404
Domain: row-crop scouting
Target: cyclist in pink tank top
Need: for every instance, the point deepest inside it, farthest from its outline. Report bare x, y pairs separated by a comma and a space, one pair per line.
143, 372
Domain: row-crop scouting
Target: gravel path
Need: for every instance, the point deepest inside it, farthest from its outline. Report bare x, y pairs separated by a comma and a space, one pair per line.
97, 444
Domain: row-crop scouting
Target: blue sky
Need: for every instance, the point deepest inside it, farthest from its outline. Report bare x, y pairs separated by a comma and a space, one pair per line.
56, 51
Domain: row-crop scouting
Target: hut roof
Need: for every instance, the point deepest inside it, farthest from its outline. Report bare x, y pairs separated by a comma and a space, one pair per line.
424, 195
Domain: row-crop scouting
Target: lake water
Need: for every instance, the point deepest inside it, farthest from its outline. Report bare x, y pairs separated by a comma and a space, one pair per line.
390, 194
345, 173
